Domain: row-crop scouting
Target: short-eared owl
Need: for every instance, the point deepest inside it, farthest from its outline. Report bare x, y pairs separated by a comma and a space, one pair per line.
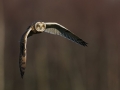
39, 27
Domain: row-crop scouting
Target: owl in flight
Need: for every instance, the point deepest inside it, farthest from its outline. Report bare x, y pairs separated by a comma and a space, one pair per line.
39, 27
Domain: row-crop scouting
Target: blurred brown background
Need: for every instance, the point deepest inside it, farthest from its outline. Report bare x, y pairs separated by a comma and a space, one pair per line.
55, 63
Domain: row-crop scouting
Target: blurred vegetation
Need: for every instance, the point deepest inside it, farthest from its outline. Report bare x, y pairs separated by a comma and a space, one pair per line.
55, 63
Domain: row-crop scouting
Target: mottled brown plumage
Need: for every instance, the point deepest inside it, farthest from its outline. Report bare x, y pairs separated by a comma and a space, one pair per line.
39, 27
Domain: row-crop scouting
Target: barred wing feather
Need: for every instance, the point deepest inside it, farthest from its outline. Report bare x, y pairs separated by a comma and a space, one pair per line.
23, 51
57, 29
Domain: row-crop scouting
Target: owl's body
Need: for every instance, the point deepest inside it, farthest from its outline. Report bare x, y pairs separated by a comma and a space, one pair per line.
39, 27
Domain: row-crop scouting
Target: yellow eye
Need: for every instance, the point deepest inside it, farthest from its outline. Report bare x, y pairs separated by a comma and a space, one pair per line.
37, 26
43, 26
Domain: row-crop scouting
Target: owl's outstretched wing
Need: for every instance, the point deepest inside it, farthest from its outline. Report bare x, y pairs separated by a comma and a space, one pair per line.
57, 29
23, 50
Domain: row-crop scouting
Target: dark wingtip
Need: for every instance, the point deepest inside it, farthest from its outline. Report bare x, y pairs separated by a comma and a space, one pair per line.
84, 44
22, 76
22, 73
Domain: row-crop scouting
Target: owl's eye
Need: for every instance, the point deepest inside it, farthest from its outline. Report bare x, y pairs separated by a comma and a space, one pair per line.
37, 26
43, 25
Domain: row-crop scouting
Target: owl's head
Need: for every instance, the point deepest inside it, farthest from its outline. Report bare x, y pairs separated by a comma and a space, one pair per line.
40, 26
